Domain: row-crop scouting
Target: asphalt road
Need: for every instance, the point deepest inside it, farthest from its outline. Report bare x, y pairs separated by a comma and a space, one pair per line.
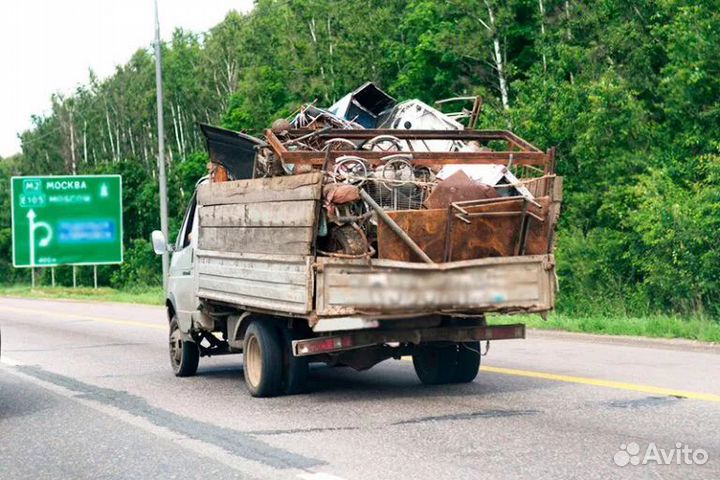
86, 391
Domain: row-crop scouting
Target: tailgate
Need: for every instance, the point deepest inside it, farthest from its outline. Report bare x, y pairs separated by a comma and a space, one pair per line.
386, 287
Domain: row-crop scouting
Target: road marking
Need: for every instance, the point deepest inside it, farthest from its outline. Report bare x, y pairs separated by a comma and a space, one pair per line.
708, 397
318, 476
75, 316
9, 361
596, 382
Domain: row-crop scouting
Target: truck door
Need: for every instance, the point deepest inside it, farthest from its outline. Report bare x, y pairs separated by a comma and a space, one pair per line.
181, 275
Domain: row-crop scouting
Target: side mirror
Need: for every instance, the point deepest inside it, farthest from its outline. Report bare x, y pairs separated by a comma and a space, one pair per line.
159, 243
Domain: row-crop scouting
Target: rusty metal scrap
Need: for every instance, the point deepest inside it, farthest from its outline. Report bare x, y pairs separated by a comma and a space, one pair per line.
456, 188
493, 231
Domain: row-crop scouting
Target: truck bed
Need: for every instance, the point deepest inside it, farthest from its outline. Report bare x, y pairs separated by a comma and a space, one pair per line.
328, 287
256, 252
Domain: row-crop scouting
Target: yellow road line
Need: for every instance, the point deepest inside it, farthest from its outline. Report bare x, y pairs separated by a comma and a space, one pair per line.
596, 382
708, 397
75, 316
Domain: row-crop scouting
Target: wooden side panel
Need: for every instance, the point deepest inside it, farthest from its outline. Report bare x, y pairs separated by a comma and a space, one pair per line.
269, 240
273, 189
261, 216
487, 285
270, 214
264, 282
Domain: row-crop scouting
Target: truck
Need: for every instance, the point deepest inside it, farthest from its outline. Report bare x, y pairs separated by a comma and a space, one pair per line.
351, 246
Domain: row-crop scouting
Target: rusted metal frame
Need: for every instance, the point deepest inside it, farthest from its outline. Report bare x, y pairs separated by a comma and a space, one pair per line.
447, 256
521, 243
475, 114
477, 135
421, 158
498, 214
550, 164
308, 136
473, 203
395, 227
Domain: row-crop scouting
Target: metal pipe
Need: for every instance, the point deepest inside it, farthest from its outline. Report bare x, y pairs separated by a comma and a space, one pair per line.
395, 227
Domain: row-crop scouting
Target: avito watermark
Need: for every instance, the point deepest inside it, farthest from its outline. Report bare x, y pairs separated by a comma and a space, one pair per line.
631, 454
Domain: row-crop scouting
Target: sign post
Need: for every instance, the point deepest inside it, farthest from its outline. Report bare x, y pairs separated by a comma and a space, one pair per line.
66, 220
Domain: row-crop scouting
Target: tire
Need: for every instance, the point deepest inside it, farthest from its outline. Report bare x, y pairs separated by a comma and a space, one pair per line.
184, 354
295, 369
435, 364
468, 362
263, 360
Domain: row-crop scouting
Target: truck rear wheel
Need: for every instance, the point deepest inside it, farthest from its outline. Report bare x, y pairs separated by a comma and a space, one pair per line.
295, 369
468, 362
263, 360
435, 364
441, 363
184, 354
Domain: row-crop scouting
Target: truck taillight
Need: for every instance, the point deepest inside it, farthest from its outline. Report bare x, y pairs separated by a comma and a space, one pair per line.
322, 345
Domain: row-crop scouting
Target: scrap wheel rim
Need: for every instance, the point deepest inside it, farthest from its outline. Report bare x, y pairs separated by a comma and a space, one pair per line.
175, 347
253, 361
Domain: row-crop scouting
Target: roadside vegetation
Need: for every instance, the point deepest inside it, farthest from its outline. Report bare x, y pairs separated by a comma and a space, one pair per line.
627, 91
654, 326
147, 296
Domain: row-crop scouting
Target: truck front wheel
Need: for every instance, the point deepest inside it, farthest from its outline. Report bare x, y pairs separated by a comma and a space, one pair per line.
263, 360
184, 354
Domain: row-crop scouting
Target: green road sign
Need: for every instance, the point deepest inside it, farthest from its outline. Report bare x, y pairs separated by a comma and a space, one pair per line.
62, 220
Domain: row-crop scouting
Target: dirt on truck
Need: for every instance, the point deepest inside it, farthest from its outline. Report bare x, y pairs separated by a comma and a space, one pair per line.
369, 230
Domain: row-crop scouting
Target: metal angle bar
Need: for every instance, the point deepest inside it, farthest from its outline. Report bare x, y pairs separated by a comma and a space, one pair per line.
395, 227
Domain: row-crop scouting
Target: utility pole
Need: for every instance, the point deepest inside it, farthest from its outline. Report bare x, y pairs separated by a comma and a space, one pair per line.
161, 146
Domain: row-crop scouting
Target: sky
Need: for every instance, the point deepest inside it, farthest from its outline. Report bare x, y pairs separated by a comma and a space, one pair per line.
49, 46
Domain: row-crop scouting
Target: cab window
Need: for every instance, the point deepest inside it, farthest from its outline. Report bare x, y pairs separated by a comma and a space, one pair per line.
184, 238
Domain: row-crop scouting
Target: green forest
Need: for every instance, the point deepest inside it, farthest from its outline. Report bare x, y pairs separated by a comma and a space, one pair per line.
628, 91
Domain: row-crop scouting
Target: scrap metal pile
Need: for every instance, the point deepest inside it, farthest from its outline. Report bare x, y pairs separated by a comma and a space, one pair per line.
404, 181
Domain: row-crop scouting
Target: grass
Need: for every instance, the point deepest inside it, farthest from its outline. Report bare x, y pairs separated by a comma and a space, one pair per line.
654, 326
148, 295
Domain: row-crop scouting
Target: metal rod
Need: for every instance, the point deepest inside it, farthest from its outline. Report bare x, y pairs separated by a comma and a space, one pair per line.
52, 276
395, 227
501, 214
74, 277
95, 276
161, 145
448, 233
522, 233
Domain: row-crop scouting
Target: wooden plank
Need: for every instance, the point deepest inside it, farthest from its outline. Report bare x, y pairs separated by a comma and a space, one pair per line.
250, 288
267, 282
275, 143
271, 214
269, 273
481, 285
288, 188
272, 240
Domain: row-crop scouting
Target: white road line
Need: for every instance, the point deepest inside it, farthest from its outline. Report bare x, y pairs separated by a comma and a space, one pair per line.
9, 361
319, 476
